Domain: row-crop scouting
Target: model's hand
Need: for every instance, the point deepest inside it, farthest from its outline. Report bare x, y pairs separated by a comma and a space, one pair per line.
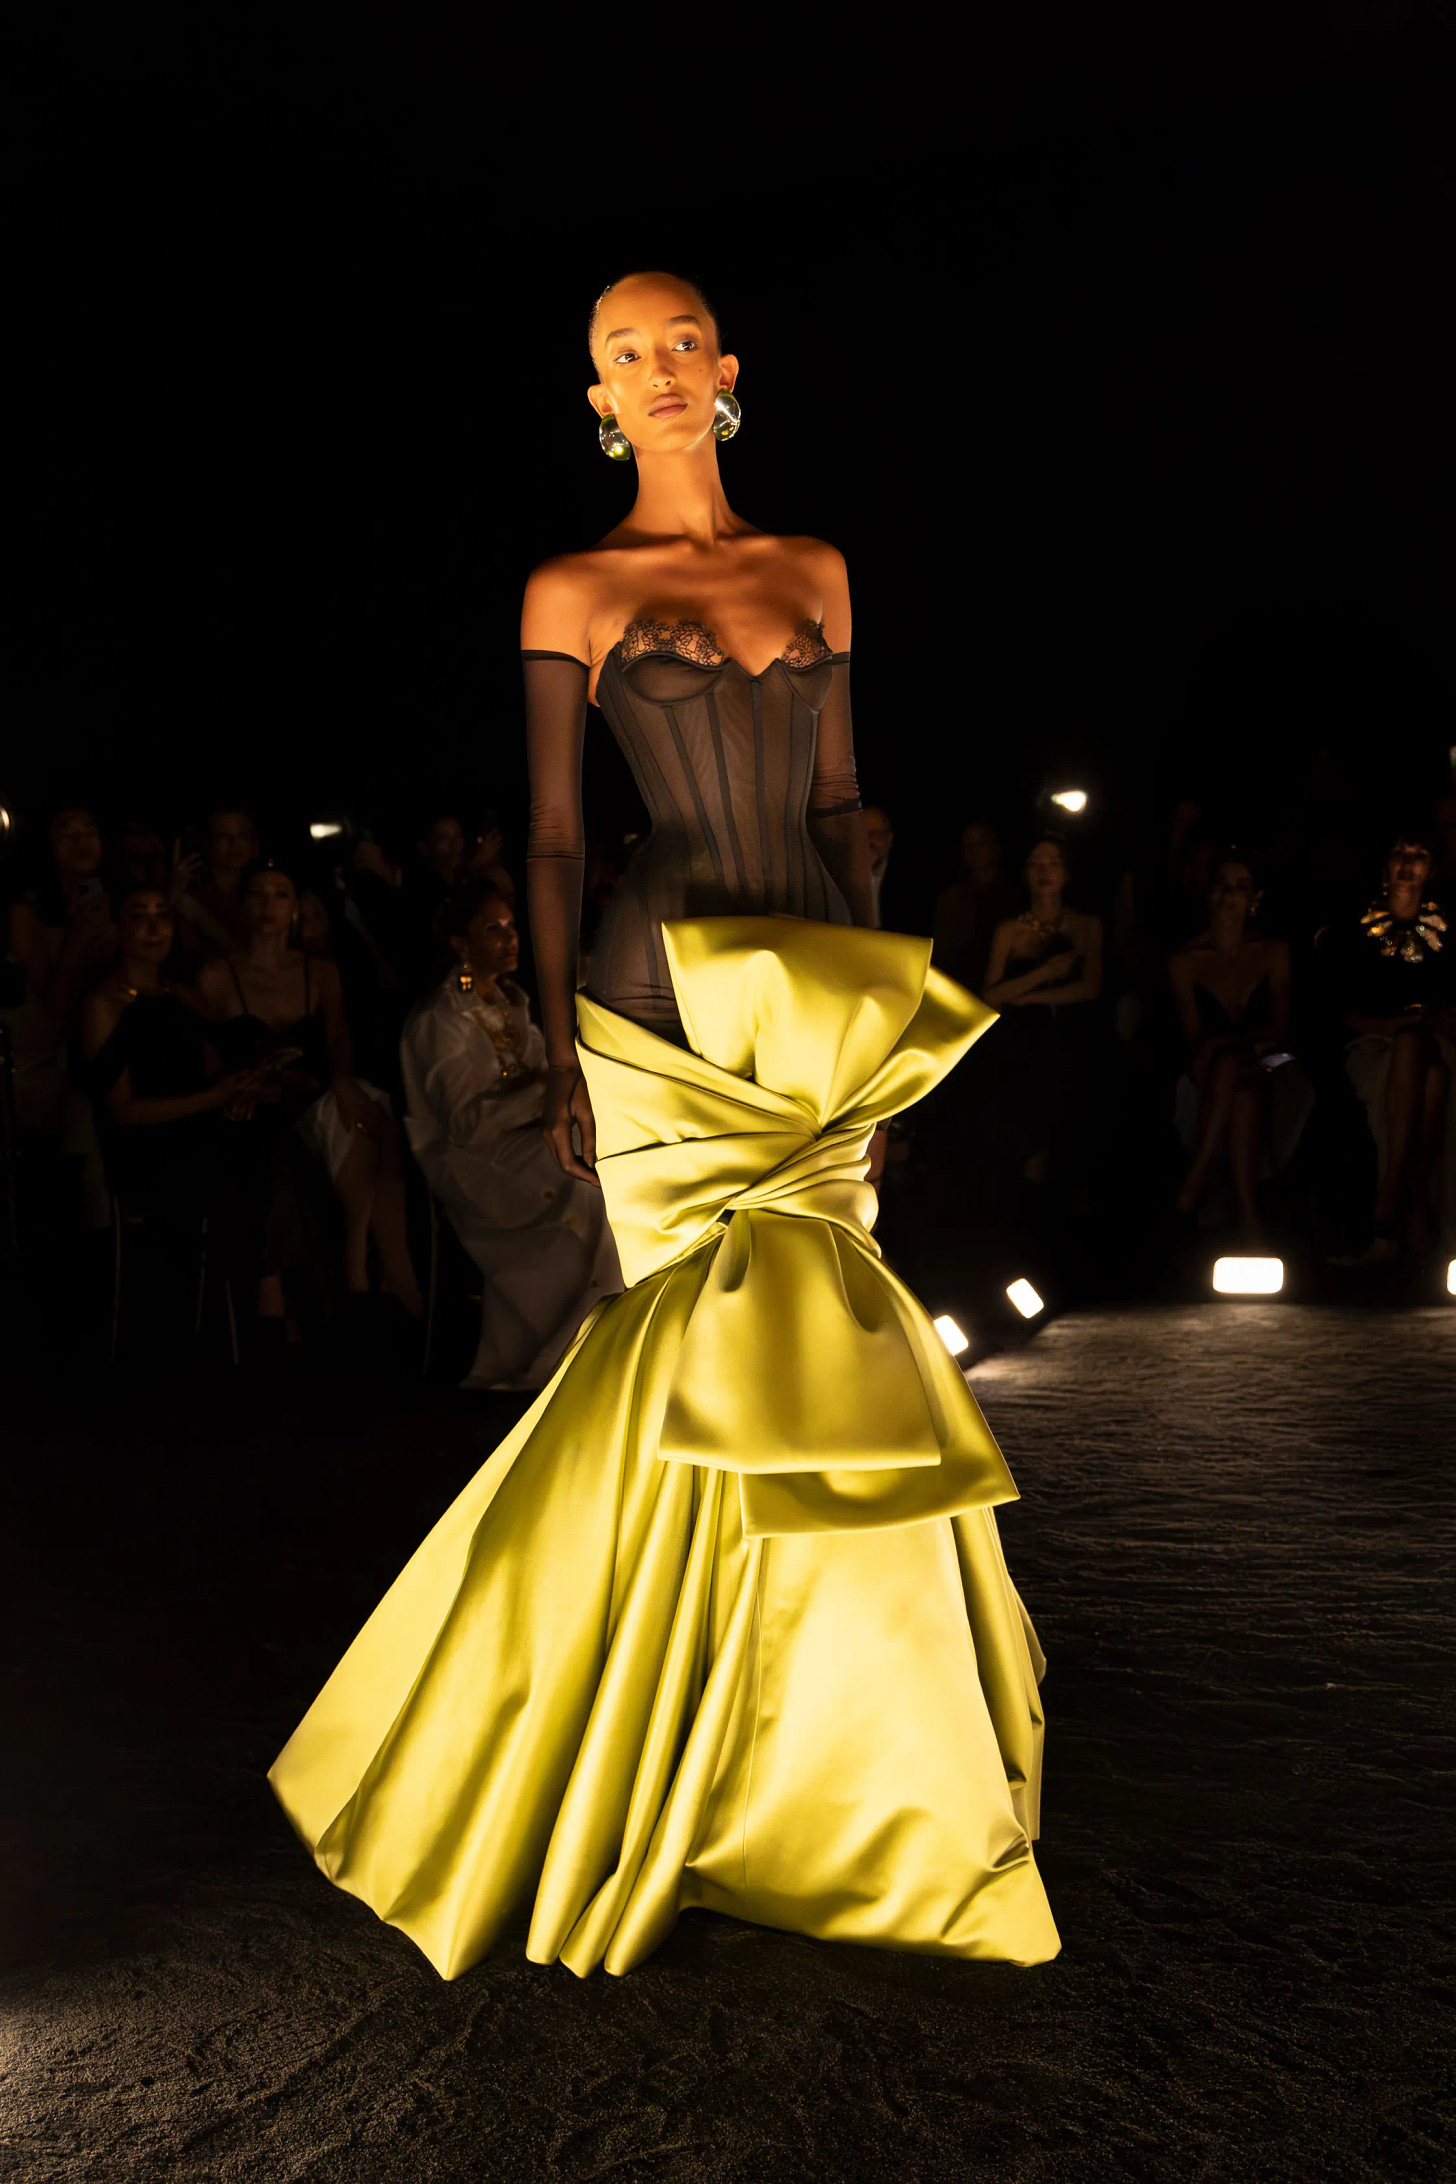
568, 1102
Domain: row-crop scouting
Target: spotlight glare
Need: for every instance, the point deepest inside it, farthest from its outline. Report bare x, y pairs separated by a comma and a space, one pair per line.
1071, 799
1248, 1277
951, 1335
323, 829
1024, 1297
1451, 1279
4, 820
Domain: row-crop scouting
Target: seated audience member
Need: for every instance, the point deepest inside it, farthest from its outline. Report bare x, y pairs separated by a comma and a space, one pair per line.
967, 913
211, 919
881, 834
170, 1154
61, 939
475, 1075
1044, 975
274, 1005
1231, 985
1390, 981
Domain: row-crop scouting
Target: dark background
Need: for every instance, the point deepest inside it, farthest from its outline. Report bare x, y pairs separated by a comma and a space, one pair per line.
1127, 399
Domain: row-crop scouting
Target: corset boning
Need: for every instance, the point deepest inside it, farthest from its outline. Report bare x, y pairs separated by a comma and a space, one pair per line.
724, 761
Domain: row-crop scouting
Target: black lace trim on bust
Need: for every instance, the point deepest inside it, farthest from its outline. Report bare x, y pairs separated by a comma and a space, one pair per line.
694, 641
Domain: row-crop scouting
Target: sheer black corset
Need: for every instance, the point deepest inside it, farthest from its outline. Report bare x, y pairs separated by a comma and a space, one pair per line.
743, 776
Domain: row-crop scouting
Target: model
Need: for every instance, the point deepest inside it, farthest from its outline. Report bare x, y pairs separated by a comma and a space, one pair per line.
724, 1622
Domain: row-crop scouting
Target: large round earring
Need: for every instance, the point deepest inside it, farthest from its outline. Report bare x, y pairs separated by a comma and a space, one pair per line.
727, 416
613, 440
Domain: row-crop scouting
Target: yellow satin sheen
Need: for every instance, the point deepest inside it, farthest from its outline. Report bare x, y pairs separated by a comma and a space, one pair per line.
611, 1686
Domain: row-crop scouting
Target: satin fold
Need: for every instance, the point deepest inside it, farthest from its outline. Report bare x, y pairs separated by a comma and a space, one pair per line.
724, 1622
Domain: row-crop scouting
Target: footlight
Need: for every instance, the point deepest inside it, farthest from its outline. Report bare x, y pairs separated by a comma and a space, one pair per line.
1451, 1279
1073, 800
1248, 1277
323, 830
1024, 1297
951, 1335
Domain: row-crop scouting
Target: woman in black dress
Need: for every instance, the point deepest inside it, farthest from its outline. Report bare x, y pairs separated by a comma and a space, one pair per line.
1044, 974
162, 1098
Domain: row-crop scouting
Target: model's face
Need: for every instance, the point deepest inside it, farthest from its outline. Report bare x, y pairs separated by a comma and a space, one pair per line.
144, 925
76, 844
492, 944
1232, 891
659, 369
1408, 867
1045, 872
270, 903
231, 841
444, 847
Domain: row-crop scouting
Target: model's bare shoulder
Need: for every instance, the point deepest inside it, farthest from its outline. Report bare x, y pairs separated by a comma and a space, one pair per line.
825, 572
556, 609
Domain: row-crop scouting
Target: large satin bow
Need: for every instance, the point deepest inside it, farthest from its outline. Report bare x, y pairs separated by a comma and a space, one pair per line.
734, 1174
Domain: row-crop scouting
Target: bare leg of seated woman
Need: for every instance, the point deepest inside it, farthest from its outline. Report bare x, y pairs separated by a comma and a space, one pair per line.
1229, 1115
1415, 1060
370, 1185
1245, 1117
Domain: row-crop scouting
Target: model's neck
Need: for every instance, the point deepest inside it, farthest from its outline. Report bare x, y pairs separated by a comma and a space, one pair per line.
1046, 907
1404, 901
682, 497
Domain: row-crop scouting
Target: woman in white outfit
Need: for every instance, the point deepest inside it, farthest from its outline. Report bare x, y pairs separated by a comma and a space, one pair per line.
475, 1077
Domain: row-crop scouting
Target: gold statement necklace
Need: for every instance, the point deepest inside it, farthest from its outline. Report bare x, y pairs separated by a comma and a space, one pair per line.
502, 1036
1409, 940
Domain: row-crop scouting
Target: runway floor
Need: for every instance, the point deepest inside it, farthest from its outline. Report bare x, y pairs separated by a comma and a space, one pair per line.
1235, 1539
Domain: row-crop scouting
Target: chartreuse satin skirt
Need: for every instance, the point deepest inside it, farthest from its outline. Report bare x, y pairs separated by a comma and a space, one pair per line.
724, 1622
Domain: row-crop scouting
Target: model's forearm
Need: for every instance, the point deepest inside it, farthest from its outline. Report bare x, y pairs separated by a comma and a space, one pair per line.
553, 896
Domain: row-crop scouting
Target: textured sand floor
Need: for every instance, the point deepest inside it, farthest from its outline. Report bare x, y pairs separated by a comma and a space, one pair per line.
1236, 1542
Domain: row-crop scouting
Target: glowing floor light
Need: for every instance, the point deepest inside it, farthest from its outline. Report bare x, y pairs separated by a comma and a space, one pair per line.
951, 1335
1248, 1277
1451, 1279
322, 829
1071, 799
1024, 1297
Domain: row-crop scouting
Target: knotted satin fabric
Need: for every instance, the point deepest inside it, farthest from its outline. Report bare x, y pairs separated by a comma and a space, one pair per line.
741, 1168
724, 1622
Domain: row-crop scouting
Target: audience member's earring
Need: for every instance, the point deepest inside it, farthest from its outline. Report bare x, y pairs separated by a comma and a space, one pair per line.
727, 416
614, 441
466, 977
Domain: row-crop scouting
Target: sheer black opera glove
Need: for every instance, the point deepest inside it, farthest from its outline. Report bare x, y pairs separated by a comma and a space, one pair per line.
835, 816
555, 859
